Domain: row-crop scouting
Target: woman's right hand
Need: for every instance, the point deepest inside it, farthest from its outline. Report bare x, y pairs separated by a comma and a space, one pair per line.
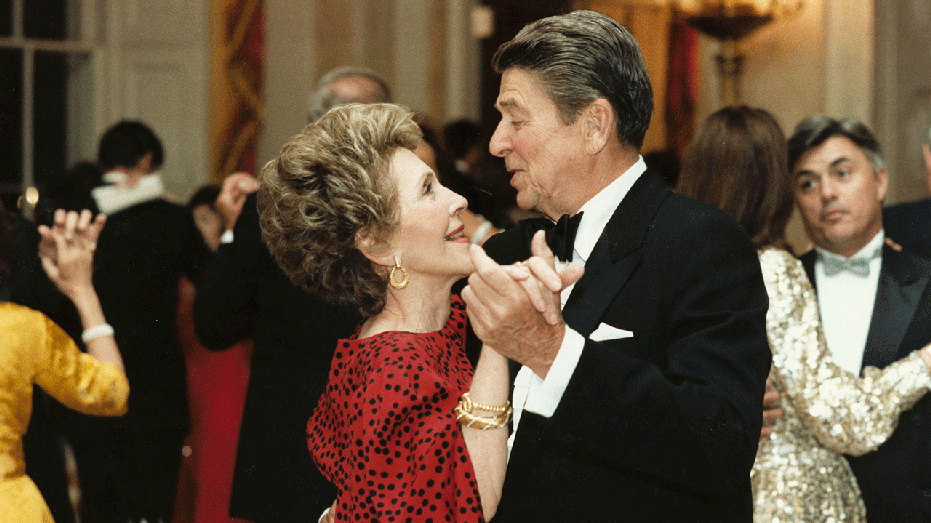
67, 251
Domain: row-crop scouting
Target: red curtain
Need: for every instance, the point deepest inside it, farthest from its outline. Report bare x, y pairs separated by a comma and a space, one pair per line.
681, 85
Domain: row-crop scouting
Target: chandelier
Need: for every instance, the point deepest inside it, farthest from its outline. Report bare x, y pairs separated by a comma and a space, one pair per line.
730, 21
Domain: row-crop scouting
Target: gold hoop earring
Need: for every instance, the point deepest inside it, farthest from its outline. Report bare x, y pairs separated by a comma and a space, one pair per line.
398, 284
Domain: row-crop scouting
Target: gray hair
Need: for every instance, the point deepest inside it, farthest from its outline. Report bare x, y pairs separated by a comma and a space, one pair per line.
324, 98
815, 130
580, 57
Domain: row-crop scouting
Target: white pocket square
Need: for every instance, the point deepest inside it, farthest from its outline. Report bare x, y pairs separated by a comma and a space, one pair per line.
607, 332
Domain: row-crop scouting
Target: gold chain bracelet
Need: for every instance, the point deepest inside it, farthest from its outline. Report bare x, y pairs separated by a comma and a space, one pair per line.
466, 418
467, 405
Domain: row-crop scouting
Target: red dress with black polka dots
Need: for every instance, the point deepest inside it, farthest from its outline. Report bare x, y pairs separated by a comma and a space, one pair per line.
384, 431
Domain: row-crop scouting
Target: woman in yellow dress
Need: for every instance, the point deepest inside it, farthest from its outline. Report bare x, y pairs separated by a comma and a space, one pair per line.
35, 351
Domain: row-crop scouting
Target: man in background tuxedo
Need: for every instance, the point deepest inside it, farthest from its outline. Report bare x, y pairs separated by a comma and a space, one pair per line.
128, 466
909, 224
243, 293
642, 400
875, 301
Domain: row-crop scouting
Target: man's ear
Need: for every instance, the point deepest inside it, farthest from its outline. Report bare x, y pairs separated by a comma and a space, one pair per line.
375, 251
882, 177
598, 125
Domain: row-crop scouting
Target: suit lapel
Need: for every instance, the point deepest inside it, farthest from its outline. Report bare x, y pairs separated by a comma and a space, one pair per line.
897, 297
616, 255
594, 292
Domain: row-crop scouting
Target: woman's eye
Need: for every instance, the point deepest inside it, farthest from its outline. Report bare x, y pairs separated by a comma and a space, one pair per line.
428, 188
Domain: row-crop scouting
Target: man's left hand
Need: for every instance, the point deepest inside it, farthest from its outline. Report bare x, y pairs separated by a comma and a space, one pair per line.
520, 318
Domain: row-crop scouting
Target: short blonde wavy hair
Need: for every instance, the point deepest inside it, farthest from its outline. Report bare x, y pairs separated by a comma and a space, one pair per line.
328, 186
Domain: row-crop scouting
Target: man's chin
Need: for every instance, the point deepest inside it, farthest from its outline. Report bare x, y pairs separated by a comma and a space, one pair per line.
525, 201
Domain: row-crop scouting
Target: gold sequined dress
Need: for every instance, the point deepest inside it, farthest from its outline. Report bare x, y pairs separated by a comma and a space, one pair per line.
800, 474
33, 350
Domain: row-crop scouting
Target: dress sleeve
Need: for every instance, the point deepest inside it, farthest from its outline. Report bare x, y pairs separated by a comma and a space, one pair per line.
77, 380
847, 414
408, 450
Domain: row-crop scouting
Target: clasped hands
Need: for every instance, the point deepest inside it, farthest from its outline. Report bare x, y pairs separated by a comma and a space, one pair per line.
516, 309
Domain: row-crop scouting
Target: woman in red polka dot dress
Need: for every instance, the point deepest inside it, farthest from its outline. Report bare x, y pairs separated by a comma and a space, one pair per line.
405, 430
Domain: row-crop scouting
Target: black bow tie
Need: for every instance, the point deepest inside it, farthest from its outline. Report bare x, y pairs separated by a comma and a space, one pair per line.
561, 238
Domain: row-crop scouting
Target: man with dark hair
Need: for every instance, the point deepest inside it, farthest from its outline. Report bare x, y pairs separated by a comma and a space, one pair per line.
245, 294
875, 300
129, 466
130, 144
641, 400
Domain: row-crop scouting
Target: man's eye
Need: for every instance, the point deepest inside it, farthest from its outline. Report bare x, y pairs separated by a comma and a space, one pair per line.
805, 184
843, 173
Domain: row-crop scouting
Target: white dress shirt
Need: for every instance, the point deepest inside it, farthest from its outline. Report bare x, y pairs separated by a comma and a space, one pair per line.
541, 396
845, 301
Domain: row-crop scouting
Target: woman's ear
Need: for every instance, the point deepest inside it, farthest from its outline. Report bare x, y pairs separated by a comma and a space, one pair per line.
599, 124
377, 252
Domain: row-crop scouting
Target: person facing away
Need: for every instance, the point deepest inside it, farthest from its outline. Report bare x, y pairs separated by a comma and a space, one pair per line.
405, 429
244, 294
129, 466
35, 351
874, 300
737, 162
641, 399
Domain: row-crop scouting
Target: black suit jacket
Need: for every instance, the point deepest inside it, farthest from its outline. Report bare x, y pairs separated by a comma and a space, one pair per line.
243, 293
662, 426
909, 225
142, 253
895, 479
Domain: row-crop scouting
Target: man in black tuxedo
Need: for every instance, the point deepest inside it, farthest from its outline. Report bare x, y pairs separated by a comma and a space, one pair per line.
642, 401
243, 293
129, 466
909, 224
875, 301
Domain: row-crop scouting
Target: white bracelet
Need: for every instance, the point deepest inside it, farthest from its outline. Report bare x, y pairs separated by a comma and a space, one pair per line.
97, 331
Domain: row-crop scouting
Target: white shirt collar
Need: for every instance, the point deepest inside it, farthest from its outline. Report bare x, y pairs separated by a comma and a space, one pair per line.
115, 198
601, 207
876, 244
